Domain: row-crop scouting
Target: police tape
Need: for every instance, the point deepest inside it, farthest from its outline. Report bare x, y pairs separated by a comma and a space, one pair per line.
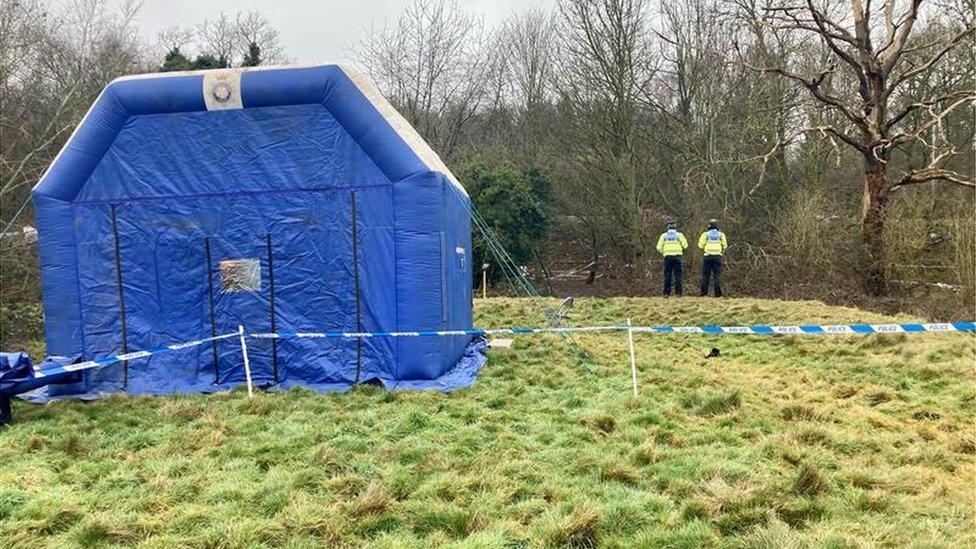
813, 329
429, 333
760, 329
108, 361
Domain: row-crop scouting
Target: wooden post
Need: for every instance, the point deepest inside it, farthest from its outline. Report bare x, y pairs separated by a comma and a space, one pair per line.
247, 362
633, 359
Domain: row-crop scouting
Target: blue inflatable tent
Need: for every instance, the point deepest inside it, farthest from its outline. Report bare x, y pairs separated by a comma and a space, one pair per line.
280, 199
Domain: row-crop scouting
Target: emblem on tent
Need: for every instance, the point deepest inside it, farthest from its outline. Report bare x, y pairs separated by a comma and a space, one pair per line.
221, 91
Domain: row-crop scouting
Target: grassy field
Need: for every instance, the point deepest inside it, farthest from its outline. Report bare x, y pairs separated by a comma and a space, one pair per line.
840, 441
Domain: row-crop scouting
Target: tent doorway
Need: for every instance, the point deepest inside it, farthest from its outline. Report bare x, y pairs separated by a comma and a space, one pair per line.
241, 293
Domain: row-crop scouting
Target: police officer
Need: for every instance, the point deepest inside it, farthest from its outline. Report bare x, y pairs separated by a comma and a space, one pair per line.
672, 246
713, 244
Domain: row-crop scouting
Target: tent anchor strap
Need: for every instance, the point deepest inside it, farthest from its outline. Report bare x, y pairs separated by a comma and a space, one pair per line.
121, 292
355, 270
213, 318
271, 300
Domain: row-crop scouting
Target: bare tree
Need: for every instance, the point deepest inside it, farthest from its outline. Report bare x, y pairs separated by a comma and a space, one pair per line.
225, 38
702, 98
692, 36
874, 56
432, 65
219, 37
174, 37
528, 42
605, 67
54, 65
254, 28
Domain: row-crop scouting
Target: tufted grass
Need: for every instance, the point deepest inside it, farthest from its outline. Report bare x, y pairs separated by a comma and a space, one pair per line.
785, 441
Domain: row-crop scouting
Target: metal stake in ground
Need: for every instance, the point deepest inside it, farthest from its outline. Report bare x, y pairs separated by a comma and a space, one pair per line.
247, 363
633, 360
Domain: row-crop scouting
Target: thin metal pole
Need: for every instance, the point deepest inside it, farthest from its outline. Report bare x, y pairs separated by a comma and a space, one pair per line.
118, 282
274, 325
247, 362
213, 318
355, 270
633, 359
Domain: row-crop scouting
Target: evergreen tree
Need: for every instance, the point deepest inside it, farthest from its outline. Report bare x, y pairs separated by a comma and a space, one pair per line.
514, 202
208, 61
252, 57
175, 61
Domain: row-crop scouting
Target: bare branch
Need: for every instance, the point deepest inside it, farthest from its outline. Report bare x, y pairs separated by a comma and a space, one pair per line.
896, 46
949, 46
813, 85
926, 104
934, 174
826, 132
823, 22
935, 120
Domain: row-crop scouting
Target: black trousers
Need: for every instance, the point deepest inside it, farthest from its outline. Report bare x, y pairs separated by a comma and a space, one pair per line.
672, 269
712, 267
6, 416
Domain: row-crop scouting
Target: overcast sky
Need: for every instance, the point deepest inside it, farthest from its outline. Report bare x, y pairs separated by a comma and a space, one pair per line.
312, 30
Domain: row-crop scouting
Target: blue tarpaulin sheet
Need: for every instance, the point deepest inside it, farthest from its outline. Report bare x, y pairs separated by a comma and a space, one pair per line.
17, 376
280, 199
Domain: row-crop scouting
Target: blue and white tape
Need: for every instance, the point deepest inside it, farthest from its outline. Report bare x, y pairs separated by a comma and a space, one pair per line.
813, 329
760, 329
108, 361
429, 333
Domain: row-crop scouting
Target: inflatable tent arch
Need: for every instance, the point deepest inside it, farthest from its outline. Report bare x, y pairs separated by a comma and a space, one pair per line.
290, 199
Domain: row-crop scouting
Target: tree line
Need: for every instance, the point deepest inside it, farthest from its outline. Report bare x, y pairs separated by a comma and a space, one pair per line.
55, 58
54, 61
245, 40
833, 138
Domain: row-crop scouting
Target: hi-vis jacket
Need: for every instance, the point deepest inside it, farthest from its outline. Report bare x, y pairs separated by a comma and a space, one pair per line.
713, 242
671, 243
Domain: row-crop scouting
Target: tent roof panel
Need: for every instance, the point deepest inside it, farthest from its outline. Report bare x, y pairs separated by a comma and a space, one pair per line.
395, 147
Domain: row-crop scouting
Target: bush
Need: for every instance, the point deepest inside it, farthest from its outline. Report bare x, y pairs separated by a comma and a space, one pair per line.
20, 293
515, 203
810, 233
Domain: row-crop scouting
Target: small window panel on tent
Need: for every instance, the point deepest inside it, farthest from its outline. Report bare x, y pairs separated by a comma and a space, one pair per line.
240, 275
